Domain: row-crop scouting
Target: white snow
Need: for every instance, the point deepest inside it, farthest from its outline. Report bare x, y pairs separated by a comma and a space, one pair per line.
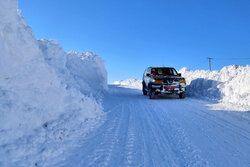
84, 71
166, 131
89, 73
45, 102
230, 86
130, 83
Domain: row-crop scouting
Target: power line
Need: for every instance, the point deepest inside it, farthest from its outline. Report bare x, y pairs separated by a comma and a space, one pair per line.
245, 58
197, 64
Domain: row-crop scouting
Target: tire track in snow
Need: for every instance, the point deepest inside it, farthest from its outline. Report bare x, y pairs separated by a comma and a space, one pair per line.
142, 154
110, 139
148, 133
220, 121
158, 150
170, 140
130, 141
185, 152
96, 150
220, 131
151, 139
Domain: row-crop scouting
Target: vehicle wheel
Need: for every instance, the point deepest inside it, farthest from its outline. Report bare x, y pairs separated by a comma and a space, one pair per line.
182, 95
143, 90
151, 95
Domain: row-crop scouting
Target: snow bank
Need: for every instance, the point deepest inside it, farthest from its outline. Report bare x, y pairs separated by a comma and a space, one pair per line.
130, 83
230, 85
41, 90
89, 73
84, 71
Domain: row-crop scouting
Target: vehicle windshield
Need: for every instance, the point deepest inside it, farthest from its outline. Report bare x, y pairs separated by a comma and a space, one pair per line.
163, 72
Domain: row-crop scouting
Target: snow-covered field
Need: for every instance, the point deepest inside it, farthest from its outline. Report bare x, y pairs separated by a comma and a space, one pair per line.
229, 86
57, 110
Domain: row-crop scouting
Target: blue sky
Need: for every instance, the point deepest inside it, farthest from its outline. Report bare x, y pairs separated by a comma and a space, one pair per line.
133, 34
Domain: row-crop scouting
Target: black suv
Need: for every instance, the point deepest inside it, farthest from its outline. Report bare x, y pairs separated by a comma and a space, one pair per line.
163, 80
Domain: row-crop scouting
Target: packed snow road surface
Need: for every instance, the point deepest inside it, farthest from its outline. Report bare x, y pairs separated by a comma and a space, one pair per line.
164, 132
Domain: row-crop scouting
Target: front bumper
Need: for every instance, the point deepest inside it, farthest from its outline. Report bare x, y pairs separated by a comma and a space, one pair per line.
174, 88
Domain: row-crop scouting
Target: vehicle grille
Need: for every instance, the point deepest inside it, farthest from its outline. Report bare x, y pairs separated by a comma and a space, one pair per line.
169, 81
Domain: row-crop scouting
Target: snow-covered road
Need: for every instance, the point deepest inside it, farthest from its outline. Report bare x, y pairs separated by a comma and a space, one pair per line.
164, 132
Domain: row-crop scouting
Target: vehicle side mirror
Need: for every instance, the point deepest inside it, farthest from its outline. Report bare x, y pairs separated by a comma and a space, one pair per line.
179, 74
148, 75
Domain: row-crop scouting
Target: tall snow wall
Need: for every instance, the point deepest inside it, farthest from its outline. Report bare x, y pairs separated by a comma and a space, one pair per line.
84, 71
38, 80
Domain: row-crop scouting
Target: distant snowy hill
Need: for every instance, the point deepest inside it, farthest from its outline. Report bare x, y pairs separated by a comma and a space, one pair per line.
48, 98
130, 83
230, 86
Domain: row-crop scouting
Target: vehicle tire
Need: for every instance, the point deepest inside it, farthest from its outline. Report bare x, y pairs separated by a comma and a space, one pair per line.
143, 90
182, 95
151, 95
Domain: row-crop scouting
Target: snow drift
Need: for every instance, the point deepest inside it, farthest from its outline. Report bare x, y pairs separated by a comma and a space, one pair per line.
41, 89
89, 73
228, 86
84, 71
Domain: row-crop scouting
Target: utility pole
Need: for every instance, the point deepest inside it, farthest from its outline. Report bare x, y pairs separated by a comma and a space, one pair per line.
209, 59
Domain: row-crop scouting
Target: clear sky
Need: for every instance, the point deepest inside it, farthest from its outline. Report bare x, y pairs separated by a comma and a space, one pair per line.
133, 34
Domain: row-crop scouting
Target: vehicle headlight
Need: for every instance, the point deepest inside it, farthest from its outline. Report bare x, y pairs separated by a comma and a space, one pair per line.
182, 81
157, 81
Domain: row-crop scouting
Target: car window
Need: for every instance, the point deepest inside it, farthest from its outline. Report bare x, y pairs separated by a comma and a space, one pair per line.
148, 70
163, 72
